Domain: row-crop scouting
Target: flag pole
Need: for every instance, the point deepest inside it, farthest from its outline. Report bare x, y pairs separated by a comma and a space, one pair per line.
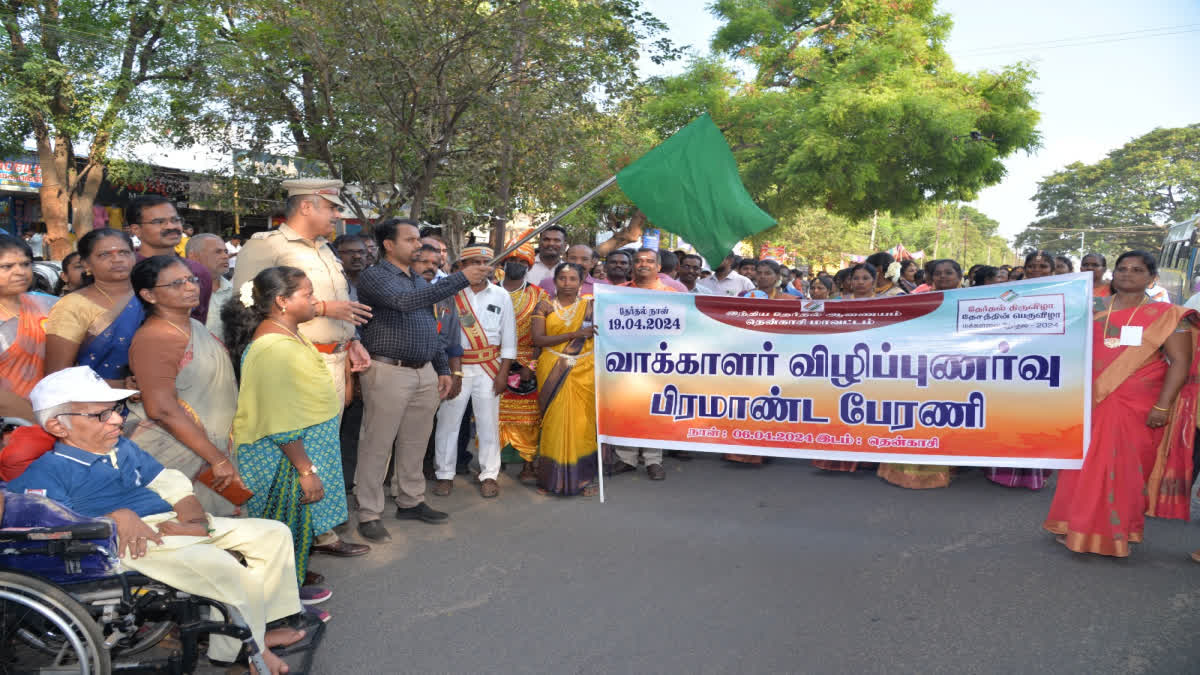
559, 216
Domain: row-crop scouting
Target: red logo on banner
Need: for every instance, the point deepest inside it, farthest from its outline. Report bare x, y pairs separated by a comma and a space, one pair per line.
804, 317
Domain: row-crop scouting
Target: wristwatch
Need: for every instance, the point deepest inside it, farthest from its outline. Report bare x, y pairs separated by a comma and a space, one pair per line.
312, 470
457, 373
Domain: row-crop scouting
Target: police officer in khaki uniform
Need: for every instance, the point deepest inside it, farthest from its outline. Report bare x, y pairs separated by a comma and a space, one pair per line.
313, 206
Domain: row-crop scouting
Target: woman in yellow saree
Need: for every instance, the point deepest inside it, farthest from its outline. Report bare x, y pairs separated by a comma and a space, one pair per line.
563, 328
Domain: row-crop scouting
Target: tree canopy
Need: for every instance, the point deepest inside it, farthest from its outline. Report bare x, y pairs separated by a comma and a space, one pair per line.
78, 72
850, 105
1123, 200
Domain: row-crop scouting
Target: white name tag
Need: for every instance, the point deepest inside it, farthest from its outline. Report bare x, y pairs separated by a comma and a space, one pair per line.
1131, 336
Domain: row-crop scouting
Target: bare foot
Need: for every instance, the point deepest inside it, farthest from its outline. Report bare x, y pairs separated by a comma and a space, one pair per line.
1195, 555
275, 664
284, 637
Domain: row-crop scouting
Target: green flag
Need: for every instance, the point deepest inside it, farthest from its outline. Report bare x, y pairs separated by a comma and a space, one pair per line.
690, 186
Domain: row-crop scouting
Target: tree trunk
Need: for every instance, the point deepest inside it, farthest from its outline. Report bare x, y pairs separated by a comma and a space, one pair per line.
55, 158
503, 210
454, 232
84, 197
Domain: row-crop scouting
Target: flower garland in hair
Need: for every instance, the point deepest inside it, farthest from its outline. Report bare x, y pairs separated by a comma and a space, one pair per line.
893, 272
246, 294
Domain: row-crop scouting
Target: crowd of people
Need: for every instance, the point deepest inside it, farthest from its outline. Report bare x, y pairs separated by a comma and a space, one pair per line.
318, 377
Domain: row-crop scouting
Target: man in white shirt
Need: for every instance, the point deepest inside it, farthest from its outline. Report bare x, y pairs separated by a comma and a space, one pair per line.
725, 281
550, 249
488, 331
233, 247
690, 266
208, 250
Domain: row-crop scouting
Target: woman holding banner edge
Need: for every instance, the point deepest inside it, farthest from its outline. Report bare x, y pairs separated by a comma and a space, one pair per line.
1144, 410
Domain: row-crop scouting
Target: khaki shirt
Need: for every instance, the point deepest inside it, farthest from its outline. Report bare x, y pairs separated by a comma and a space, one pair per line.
324, 269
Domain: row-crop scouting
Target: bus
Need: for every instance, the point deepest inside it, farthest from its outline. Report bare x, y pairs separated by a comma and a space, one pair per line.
1177, 263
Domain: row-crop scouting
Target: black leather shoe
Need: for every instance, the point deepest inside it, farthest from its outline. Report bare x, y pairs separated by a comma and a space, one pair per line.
373, 530
423, 513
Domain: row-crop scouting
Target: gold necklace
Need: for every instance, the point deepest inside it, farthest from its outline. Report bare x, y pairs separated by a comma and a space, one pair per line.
288, 330
1114, 342
9, 311
567, 317
182, 332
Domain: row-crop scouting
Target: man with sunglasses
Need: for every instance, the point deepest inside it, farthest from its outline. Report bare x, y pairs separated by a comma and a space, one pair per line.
155, 222
162, 531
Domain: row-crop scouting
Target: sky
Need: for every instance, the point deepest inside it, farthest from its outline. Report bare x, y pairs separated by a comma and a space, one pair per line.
1122, 81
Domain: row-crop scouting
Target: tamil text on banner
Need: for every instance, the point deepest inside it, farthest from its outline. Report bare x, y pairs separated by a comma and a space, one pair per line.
986, 376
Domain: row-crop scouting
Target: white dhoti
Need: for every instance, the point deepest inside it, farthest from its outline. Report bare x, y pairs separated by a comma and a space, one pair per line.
261, 591
476, 388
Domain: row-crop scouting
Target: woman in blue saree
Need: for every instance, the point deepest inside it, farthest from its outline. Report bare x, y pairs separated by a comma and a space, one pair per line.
94, 325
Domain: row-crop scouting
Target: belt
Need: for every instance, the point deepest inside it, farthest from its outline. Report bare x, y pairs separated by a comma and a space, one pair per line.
399, 362
331, 347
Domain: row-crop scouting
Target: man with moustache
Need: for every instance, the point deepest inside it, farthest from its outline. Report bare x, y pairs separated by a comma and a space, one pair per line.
645, 276
209, 250
425, 263
520, 419
617, 266
726, 281
409, 376
154, 222
550, 248
313, 207
585, 257
690, 267
351, 249
489, 340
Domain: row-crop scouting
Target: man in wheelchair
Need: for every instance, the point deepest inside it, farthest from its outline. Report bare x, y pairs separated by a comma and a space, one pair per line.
162, 531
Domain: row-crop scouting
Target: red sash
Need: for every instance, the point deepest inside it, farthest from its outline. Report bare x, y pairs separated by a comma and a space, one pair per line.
480, 352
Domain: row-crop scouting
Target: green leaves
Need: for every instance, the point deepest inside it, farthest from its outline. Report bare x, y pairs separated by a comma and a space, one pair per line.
1121, 201
853, 106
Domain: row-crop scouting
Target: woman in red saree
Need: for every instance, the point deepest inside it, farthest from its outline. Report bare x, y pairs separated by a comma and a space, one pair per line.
1143, 418
22, 336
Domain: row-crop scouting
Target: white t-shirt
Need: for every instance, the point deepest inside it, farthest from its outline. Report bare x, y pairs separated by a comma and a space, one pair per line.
233, 251
538, 272
734, 284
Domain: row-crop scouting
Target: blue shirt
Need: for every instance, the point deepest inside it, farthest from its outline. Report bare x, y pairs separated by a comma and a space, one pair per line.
403, 325
90, 485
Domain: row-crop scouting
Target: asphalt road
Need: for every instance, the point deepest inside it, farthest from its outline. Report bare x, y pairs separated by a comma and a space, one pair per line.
782, 568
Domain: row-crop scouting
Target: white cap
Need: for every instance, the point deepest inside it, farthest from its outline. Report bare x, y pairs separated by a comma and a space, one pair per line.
80, 384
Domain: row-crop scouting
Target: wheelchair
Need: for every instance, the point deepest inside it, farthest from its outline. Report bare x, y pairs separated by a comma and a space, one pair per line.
66, 606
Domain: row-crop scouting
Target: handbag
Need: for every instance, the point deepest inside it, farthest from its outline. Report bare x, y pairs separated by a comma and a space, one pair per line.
235, 493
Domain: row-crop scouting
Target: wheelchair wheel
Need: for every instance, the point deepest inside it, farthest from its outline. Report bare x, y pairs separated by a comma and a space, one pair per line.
44, 630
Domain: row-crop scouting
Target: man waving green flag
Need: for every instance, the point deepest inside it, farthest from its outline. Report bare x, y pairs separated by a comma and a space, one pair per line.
689, 185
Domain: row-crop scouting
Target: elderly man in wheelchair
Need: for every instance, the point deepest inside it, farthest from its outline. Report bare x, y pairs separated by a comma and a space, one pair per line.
161, 533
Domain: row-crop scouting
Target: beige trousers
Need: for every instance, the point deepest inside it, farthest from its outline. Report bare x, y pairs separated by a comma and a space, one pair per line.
629, 455
398, 411
261, 591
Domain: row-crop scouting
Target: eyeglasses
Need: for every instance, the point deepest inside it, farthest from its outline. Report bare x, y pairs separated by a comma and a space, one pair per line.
180, 282
159, 222
104, 415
